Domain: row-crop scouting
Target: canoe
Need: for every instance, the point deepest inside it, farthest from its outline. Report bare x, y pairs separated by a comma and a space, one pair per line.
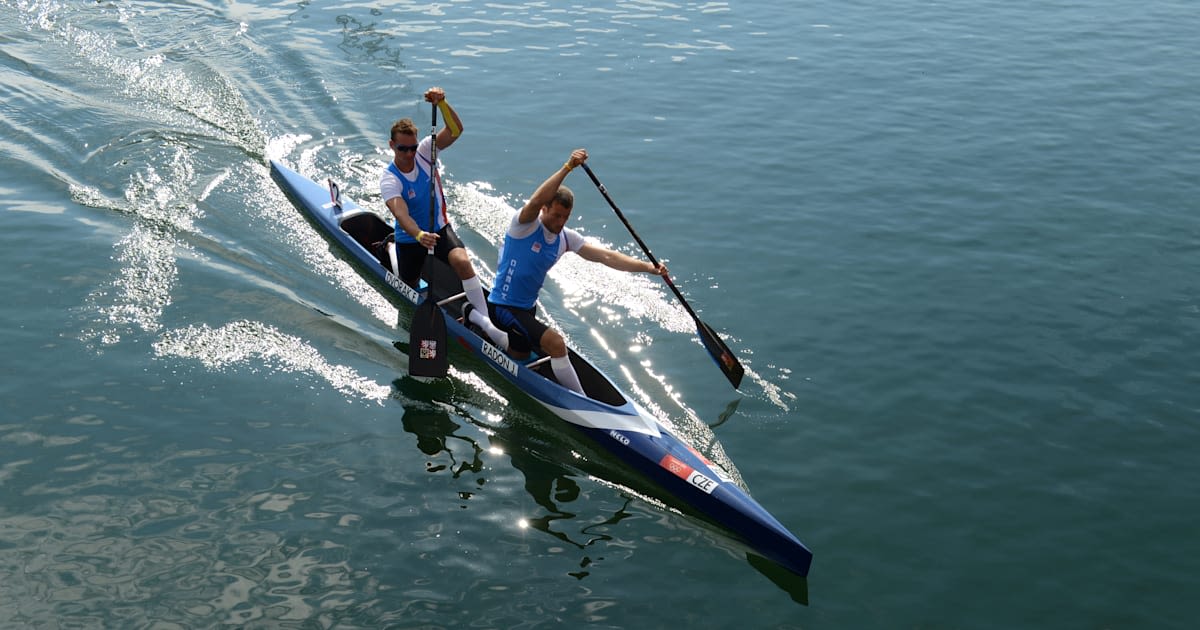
606, 416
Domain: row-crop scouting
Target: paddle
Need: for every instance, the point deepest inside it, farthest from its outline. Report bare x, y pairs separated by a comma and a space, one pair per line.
717, 349
427, 340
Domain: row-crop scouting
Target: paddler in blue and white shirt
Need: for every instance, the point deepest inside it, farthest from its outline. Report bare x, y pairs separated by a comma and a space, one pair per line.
406, 185
536, 239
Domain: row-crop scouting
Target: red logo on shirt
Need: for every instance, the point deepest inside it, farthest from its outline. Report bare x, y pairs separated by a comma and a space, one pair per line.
537, 247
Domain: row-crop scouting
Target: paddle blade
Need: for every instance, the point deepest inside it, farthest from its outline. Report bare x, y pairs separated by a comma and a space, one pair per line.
721, 354
427, 347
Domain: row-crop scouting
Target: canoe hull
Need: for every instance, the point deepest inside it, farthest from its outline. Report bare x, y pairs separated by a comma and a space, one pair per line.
606, 417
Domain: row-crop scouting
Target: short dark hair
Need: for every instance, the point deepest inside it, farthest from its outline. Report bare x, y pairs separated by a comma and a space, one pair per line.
564, 197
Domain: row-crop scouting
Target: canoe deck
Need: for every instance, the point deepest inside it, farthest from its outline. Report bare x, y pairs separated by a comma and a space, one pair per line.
605, 416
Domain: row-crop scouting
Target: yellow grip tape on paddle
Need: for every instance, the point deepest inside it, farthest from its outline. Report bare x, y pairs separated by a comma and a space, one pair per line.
448, 115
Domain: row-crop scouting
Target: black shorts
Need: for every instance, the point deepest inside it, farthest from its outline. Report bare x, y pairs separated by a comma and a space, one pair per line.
411, 256
524, 330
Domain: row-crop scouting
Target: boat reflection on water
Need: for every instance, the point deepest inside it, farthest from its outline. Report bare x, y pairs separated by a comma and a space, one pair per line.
794, 585
551, 485
434, 428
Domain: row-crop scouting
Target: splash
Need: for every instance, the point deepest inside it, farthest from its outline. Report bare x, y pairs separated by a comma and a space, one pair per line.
182, 104
143, 287
196, 97
148, 269
251, 344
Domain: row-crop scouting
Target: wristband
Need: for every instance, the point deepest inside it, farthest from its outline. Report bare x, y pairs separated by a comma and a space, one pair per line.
448, 115
420, 235
567, 165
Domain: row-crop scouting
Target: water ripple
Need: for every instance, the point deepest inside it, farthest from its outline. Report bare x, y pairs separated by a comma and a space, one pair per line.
255, 344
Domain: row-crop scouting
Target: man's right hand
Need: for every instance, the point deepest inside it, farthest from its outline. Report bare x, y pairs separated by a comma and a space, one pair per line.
578, 156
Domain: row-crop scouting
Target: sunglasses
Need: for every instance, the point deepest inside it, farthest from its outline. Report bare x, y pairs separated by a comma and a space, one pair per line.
404, 148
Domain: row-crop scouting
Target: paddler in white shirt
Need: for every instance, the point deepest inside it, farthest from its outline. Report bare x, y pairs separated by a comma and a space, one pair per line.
406, 185
536, 239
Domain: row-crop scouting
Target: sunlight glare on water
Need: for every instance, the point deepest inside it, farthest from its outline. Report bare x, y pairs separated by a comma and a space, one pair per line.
254, 345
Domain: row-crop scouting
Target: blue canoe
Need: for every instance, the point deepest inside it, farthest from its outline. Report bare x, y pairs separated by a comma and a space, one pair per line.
606, 416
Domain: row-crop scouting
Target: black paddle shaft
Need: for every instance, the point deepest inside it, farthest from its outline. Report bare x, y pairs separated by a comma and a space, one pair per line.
716, 347
628, 226
427, 350
433, 187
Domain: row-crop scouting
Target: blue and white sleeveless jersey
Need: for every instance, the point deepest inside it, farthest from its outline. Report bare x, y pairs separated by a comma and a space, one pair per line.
528, 253
414, 189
